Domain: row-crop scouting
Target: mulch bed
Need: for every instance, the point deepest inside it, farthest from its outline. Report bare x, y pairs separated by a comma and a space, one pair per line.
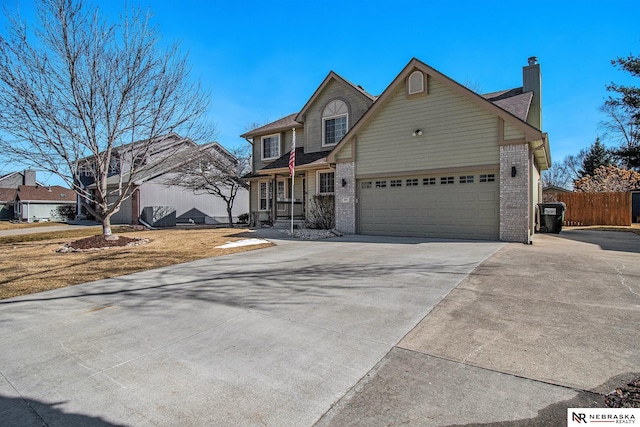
625, 397
101, 242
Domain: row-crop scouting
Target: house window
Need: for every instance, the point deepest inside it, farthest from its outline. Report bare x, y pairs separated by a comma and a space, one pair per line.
428, 181
412, 182
381, 184
415, 83
335, 121
488, 178
326, 182
395, 183
466, 179
282, 190
446, 180
266, 188
270, 147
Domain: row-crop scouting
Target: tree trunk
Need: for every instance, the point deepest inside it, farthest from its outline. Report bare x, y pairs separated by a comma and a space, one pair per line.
106, 226
229, 216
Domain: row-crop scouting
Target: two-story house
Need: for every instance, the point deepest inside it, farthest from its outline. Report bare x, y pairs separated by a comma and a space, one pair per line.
428, 157
151, 168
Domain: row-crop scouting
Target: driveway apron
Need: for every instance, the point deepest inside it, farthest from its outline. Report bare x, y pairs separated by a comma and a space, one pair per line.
267, 337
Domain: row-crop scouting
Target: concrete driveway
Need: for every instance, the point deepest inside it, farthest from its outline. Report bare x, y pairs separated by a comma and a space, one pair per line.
270, 337
532, 331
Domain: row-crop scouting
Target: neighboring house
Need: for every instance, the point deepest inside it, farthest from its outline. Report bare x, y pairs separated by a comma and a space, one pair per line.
9, 184
34, 203
428, 157
7, 198
166, 155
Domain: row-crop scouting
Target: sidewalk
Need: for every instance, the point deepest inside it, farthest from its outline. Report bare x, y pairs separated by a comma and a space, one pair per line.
35, 230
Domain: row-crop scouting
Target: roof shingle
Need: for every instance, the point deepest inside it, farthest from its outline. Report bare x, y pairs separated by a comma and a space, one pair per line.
53, 193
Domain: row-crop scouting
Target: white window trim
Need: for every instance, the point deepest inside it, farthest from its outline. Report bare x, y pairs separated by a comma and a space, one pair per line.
269, 195
324, 131
286, 188
262, 138
318, 181
409, 88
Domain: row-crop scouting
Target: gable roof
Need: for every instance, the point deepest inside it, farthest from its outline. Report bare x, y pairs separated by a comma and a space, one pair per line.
167, 164
331, 76
7, 194
515, 101
531, 133
285, 123
40, 193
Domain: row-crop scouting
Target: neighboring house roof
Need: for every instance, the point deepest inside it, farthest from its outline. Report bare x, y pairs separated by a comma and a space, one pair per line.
165, 165
302, 159
515, 101
331, 76
555, 189
285, 123
40, 193
7, 194
531, 133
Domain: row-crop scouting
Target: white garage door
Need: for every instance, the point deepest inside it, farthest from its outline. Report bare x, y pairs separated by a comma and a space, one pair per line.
461, 206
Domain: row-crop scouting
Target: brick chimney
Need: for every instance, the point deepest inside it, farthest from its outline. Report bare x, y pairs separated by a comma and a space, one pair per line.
29, 177
532, 82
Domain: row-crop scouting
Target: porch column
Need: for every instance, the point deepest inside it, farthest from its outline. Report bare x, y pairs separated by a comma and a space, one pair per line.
274, 198
345, 197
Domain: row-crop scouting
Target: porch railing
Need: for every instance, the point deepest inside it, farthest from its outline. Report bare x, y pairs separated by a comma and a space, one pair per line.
283, 208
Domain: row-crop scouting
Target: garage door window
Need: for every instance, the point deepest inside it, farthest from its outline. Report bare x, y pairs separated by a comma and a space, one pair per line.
365, 184
446, 180
412, 182
488, 178
466, 179
428, 181
395, 183
381, 184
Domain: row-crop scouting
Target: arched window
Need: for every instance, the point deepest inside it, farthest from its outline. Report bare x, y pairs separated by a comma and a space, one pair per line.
416, 83
335, 122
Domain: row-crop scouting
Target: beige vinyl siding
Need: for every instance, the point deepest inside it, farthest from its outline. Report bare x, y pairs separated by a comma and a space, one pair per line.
285, 146
345, 152
511, 132
456, 133
357, 102
253, 197
288, 137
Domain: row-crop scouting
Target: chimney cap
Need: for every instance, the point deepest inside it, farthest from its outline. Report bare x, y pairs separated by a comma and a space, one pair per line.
532, 60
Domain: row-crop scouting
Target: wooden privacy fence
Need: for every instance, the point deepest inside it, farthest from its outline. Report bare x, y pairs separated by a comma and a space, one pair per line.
596, 208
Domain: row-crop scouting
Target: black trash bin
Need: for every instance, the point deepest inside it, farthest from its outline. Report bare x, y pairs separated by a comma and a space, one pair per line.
551, 217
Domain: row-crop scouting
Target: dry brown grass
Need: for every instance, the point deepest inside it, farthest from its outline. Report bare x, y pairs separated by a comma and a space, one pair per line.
35, 266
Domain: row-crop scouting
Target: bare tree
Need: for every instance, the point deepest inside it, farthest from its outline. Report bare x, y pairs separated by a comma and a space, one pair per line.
80, 96
622, 128
216, 171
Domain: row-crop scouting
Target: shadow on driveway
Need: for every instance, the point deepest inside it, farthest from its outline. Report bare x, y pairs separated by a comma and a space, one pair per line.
620, 241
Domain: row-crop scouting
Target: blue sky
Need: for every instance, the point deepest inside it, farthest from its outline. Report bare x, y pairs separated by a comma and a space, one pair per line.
262, 60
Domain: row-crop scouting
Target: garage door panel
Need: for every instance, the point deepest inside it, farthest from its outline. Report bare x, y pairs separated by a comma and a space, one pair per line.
456, 210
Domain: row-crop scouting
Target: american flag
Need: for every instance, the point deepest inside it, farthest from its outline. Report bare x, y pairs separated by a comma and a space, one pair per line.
292, 156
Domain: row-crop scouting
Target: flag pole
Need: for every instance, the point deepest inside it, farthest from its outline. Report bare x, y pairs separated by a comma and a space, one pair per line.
292, 166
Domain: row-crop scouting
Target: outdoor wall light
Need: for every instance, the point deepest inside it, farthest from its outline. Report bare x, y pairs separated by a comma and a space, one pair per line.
344, 182
417, 132
513, 171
